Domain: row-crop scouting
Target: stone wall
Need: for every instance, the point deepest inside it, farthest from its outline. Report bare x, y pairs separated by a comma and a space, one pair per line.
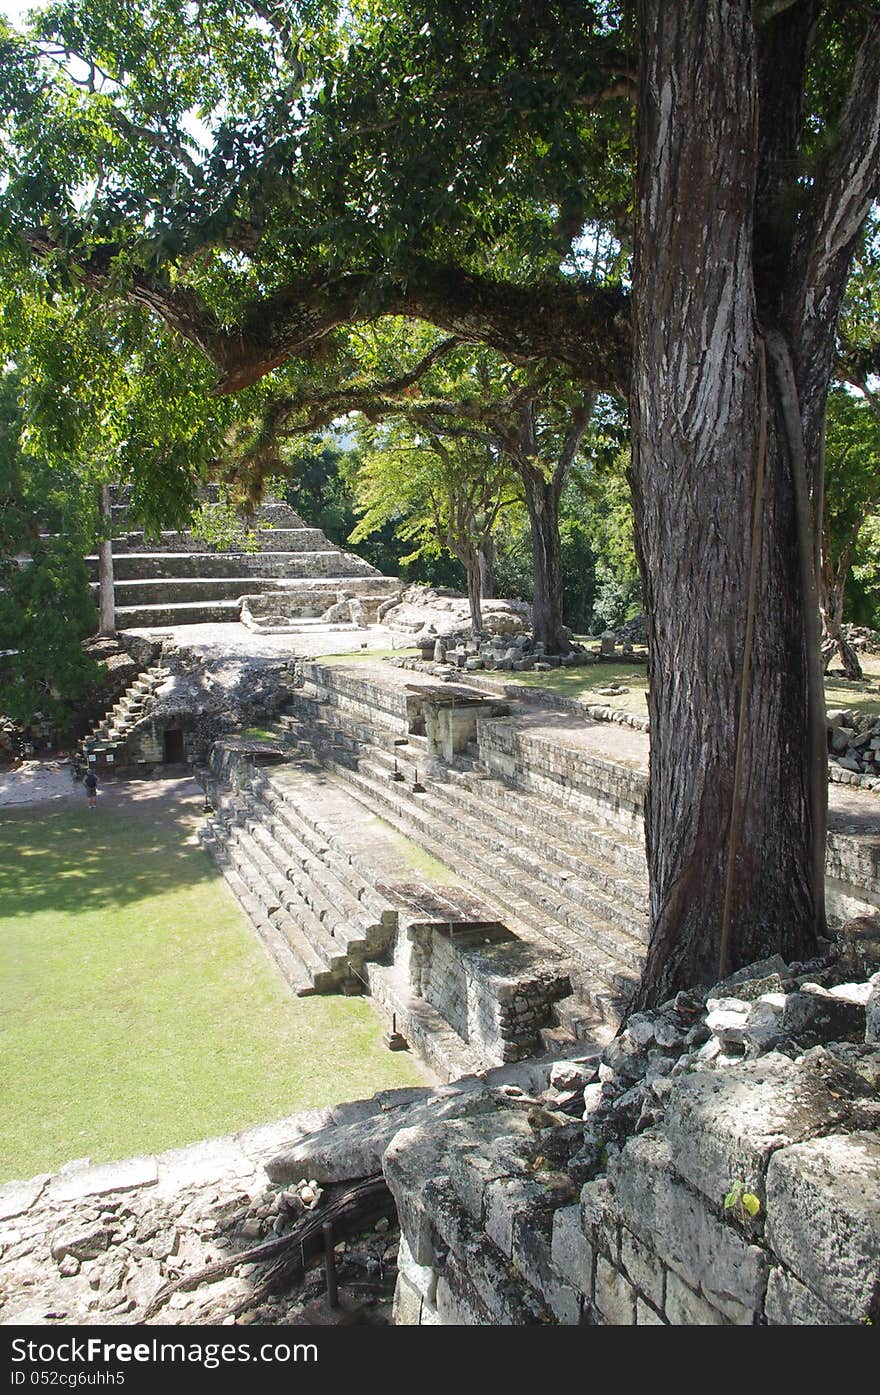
487, 988
698, 1187
576, 779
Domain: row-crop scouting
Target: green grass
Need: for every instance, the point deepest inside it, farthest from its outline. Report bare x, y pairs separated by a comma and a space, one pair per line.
139, 1011
583, 682
366, 656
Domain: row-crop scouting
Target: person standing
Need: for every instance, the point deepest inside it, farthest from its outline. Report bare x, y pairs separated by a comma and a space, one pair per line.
91, 786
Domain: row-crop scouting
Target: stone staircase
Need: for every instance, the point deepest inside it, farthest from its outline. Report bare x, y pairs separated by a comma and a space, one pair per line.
317, 914
551, 875
180, 580
342, 902
105, 744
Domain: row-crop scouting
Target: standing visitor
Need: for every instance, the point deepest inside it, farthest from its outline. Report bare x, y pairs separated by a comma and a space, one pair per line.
91, 784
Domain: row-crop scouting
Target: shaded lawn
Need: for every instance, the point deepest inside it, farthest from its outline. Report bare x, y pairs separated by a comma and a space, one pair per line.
139, 1012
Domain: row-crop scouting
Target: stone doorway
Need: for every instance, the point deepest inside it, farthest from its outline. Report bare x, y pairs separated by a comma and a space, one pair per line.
174, 746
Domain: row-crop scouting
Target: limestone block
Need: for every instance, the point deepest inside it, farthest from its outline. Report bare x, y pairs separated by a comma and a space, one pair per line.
458, 1304
421, 1277
709, 1254
642, 1267
571, 1253
443, 1152
872, 1013
724, 1127
645, 1315
407, 1308
497, 1283
791, 1304
615, 1297
565, 1303
684, 1308
815, 1012
823, 1219
599, 1218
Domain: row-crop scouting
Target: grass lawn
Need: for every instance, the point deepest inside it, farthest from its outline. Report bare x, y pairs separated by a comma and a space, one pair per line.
583, 682
139, 1011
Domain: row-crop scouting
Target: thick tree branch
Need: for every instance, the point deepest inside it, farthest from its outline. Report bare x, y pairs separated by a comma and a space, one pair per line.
844, 191
585, 328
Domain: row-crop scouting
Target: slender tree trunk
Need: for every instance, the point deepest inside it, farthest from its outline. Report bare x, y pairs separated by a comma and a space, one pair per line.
106, 598
697, 421
487, 568
833, 638
542, 502
472, 567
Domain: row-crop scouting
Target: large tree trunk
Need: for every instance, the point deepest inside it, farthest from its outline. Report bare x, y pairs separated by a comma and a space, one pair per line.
106, 598
542, 502
699, 378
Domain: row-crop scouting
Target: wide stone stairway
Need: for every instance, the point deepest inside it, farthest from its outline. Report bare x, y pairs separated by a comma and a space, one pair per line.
490, 921
551, 876
181, 580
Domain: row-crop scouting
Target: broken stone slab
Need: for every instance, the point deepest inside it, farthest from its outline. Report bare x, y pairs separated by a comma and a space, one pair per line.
823, 1219
723, 1128
814, 1012
81, 1238
18, 1197
342, 1152
101, 1179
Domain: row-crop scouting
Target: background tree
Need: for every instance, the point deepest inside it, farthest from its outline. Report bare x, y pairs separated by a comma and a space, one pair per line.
46, 516
852, 494
438, 494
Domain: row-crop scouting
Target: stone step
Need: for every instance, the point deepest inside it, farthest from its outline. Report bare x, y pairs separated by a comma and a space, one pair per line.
273, 938
163, 566
269, 539
187, 613
611, 929
487, 877
582, 878
315, 852
170, 590
322, 960
342, 918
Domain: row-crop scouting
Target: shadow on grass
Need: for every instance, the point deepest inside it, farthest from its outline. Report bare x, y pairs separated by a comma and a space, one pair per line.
75, 859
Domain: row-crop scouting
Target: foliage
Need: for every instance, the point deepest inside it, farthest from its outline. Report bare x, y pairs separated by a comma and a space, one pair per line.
46, 516
852, 487
744, 1204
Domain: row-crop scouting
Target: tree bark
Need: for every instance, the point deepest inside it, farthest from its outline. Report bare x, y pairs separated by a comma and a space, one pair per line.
696, 421
542, 502
472, 567
487, 568
106, 597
